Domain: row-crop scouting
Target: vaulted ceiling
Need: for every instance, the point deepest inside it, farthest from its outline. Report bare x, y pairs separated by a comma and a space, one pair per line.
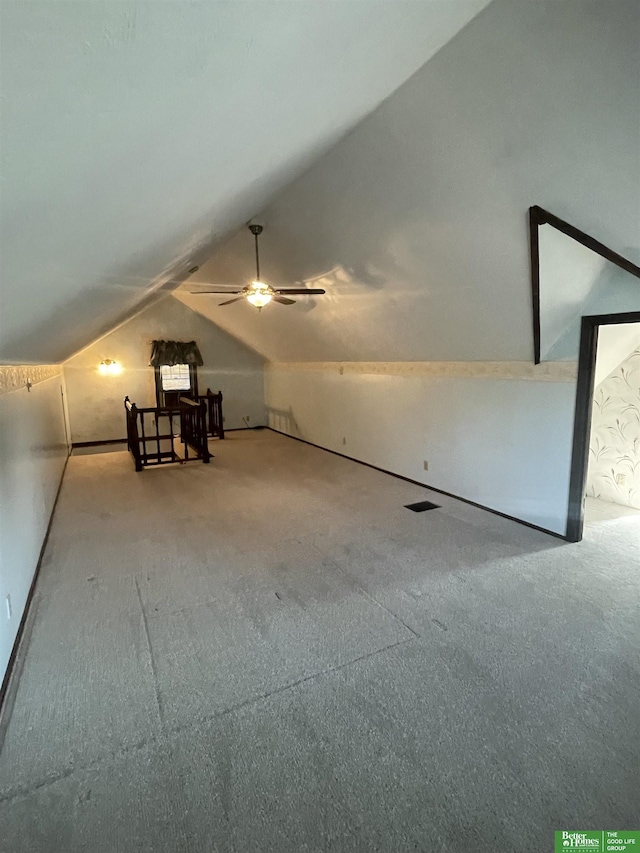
137, 135
416, 222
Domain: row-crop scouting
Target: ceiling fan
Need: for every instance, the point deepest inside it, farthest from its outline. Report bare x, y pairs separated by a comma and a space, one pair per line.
260, 294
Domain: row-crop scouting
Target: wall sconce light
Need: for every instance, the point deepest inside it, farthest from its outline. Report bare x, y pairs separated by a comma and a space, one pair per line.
108, 367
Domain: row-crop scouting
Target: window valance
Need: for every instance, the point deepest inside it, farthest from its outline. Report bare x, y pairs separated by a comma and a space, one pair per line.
175, 352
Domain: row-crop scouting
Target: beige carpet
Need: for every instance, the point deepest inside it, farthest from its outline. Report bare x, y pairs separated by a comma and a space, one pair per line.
270, 653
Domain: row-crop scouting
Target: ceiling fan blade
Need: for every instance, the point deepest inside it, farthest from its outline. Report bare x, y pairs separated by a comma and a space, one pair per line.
221, 292
300, 290
283, 300
229, 301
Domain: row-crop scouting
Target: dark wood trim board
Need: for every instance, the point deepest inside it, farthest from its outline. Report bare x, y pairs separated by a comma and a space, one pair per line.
98, 443
423, 485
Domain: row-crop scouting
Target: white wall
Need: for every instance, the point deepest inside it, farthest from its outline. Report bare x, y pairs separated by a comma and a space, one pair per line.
568, 273
499, 435
96, 402
33, 451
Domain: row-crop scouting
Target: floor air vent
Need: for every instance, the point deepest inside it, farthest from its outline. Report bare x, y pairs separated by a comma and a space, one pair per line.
421, 506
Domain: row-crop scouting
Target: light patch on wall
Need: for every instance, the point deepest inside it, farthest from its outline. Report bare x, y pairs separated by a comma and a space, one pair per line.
108, 367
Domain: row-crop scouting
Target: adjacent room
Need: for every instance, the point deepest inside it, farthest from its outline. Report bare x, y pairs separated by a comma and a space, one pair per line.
319, 425
613, 484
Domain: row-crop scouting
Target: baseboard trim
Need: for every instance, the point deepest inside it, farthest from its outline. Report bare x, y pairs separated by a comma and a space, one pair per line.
425, 486
98, 443
243, 429
16, 658
78, 444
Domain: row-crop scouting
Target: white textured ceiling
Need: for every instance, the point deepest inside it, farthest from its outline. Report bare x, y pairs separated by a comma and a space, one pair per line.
416, 222
576, 281
137, 134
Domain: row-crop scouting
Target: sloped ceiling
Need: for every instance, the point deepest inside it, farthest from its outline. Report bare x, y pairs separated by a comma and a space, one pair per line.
138, 134
615, 345
575, 281
416, 222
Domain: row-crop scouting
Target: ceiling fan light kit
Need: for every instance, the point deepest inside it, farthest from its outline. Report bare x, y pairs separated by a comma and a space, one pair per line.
258, 293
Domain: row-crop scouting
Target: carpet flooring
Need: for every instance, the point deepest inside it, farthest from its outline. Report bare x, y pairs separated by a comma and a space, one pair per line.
270, 653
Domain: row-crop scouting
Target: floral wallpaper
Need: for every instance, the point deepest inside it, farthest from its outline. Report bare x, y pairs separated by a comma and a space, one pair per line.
614, 448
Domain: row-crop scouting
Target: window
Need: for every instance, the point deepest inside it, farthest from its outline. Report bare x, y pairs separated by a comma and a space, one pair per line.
175, 378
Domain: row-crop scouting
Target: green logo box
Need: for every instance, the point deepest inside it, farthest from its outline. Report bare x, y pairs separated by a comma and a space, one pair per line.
601, 841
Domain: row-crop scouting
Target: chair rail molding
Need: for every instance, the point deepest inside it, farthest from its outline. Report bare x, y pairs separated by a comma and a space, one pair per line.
549, 371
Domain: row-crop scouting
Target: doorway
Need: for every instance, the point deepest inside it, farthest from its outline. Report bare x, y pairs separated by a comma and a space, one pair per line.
589, 333
578, 286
